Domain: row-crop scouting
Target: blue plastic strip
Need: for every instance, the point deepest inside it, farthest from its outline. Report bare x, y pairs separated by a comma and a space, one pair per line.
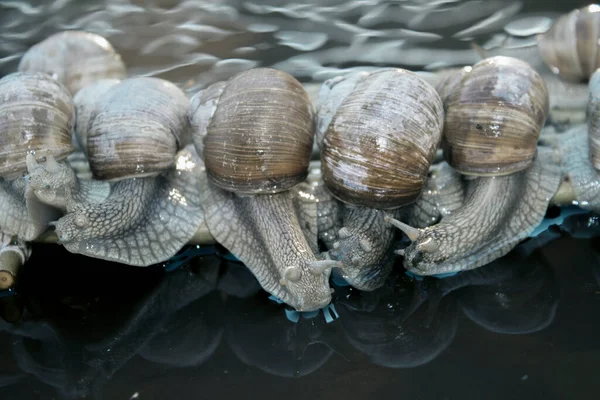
7, 293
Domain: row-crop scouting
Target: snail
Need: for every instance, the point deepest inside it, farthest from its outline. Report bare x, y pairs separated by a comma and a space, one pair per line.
492, 125
74, 58
378, 133
570, 47
254, 133
579, 152
151, 209
37, 115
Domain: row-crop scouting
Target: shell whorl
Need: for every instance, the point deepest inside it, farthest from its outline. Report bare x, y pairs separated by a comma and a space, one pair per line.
494, 118
75, 58
570, 47
593, 114
135, 128
260, 137
85, 100
37, 116
382, 139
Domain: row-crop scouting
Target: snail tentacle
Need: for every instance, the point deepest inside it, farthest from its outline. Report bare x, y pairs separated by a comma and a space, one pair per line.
497, 214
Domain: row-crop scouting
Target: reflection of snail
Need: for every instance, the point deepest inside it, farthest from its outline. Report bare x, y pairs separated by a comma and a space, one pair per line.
259, 333
134, 138
396, 335
493, 121
522, 303
71, 347
254, 156
378, 133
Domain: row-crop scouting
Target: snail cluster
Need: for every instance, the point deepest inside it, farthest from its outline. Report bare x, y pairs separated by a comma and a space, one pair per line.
235, 160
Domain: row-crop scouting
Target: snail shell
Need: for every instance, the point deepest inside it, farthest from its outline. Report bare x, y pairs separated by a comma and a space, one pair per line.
74, 58
593, 112
447, 85
382, 139
494, 118
570, 47
135, 129
36, 116
259, 138
85, 101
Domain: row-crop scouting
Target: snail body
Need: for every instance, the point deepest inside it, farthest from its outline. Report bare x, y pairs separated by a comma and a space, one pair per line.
142, 205
254, 133
493, 121
74, 58
36, 119
378, 134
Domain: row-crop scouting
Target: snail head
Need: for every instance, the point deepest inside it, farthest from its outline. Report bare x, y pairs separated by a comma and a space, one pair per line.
48, 179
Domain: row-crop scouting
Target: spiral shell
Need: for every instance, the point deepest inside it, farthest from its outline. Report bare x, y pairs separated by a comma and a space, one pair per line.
494, 118
570, 47
135, 129
36, 115
593, 113
382, 139
448, 83
74, 58
259, 138
85, 101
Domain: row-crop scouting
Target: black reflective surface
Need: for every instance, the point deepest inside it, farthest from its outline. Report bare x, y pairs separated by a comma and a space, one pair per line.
526, 326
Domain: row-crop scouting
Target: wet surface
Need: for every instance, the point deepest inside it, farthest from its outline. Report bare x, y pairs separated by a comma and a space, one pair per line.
525, 326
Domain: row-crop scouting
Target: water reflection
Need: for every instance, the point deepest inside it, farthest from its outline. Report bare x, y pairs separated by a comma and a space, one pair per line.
76, 334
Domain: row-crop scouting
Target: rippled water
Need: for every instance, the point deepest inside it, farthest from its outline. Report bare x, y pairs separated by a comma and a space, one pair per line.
525, 326
196, 43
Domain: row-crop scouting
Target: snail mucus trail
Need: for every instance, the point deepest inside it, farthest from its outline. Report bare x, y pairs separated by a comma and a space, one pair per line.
493, 118
378, 133
254, 133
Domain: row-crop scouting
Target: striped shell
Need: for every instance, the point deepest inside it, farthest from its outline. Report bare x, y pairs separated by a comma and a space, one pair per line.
494, 118
570, 47
74, 58
85, 101
255, 132
36, 115
135, 129
382, 139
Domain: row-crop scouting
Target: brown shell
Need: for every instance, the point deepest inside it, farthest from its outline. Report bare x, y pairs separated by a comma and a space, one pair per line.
570, 47
382, 140
494, 118
593, 114
85, 101
36, 115
135, 128
74, 58
449, 82
260, 138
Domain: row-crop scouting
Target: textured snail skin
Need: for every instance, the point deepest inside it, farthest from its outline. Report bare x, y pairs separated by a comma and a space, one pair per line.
364, 242
497, 214
142, 221
573, 147
593, 113
320, 214
262, 232
443, 193
21, 213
